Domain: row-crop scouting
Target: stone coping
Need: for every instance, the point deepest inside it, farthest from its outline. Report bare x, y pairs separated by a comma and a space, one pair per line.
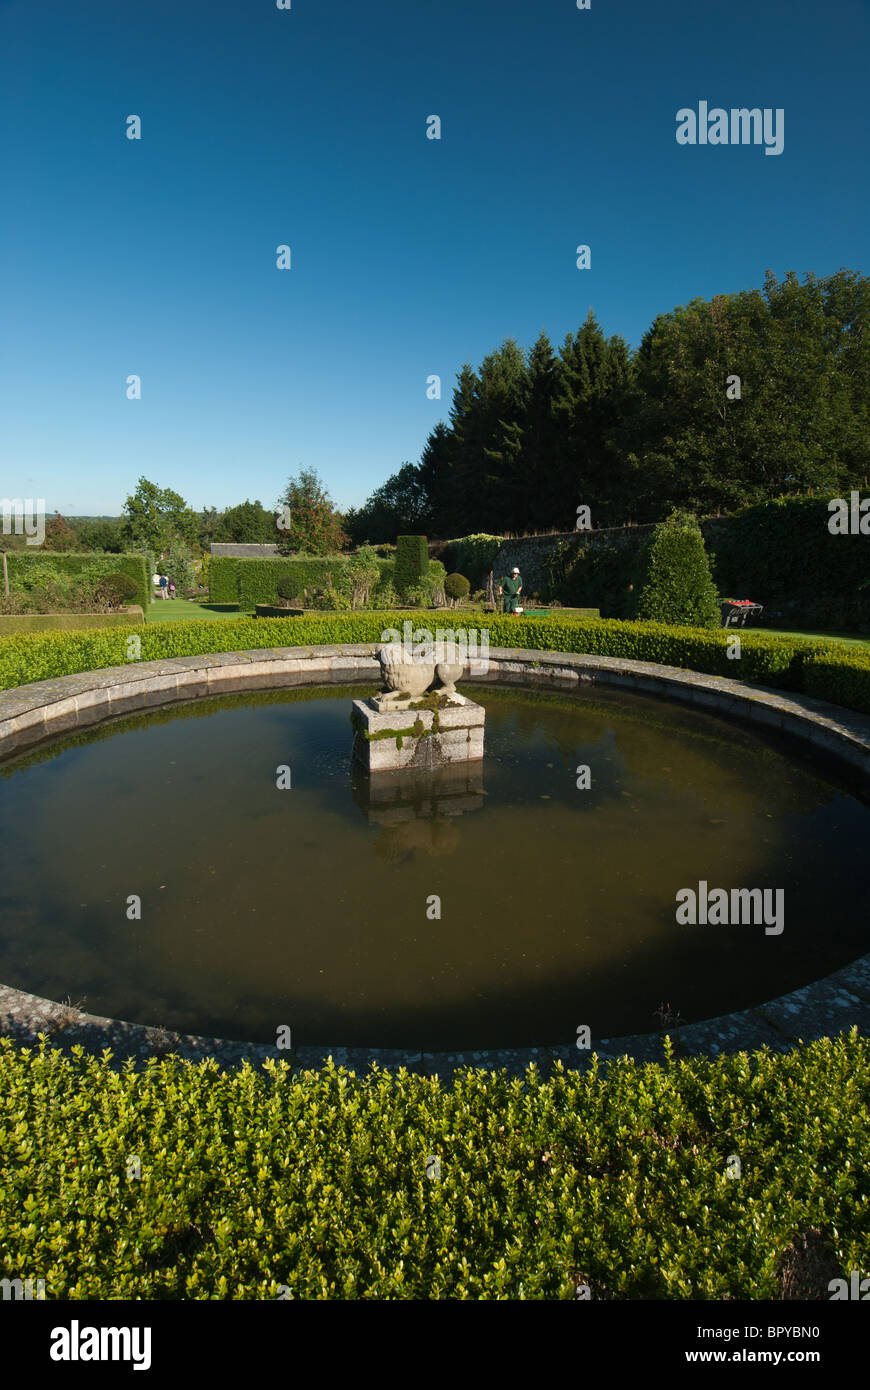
45, 709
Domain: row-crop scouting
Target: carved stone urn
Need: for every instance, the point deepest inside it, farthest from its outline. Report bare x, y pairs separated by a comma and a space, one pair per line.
448, 674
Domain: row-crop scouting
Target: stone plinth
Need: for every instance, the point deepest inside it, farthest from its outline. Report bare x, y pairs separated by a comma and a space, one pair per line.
421, 738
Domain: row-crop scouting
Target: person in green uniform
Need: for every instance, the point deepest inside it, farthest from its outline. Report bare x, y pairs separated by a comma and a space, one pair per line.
510, 588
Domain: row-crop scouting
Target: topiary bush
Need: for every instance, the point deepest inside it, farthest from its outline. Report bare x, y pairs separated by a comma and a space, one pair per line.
677, 585
118, 588
411, 563
286, 587
456, 587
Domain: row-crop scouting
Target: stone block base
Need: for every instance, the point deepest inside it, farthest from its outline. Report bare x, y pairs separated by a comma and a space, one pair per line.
389, 739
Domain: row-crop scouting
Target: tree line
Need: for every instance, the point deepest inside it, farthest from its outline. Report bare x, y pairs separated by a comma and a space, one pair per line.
746, 397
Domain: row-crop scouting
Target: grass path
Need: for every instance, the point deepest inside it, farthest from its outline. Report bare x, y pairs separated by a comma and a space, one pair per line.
176, 610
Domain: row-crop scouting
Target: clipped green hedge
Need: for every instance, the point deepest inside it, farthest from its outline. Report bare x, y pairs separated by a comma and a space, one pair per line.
841, 676
473, 556
782, 554
266, 1185
73, 562
249, 582
765, 660
411, 563
223, 581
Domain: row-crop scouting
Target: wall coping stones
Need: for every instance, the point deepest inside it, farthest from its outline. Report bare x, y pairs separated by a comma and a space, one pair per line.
32, 713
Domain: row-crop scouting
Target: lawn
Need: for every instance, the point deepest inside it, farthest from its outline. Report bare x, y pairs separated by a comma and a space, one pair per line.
175, 610
850, 639
180, 609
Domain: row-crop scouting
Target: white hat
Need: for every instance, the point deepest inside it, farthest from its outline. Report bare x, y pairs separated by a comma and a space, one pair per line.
515, 570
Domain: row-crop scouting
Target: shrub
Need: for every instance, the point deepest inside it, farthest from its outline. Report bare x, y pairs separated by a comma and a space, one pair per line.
456, 586
435, 583
613, 1178
66, 568
249, 582
332, 600
286, 588
386, 596
118, 588
359, 576
473, 555
781, 662
841, 675
677, 586
417, 596
412, 562
178, 564
590, 570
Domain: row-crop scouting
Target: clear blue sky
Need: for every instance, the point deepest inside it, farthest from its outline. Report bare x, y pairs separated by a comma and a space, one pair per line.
409, 256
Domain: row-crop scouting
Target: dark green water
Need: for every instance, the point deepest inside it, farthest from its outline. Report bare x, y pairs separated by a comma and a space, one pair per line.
307, 907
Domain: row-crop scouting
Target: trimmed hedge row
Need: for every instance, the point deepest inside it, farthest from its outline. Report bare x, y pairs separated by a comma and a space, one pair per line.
223, 583
73, 562
765, 660
782, 554
841, 676
267, 1185
249, 582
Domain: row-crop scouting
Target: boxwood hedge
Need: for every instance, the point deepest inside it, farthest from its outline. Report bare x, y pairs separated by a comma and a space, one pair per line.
249, 582
838, 674
181, 1180
73, 562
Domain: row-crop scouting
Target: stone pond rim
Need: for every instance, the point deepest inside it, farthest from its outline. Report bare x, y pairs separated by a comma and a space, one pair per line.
45, 709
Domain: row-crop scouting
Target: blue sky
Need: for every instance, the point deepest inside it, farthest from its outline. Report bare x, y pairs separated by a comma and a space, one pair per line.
409, 256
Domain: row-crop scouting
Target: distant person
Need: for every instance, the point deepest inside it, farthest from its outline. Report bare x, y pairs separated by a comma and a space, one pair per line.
172, 588
511, 587
164, 586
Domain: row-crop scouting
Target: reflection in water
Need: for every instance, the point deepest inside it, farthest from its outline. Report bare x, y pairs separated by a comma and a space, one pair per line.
307, 907
417, 809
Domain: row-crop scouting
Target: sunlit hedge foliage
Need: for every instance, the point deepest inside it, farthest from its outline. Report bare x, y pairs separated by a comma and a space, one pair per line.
838, 674
261, 1185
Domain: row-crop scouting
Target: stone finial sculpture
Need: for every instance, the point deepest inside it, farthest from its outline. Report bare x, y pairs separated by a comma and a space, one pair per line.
405, 677
434, 733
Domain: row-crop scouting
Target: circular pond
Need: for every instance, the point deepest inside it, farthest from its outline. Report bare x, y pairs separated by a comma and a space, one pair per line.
313, 906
